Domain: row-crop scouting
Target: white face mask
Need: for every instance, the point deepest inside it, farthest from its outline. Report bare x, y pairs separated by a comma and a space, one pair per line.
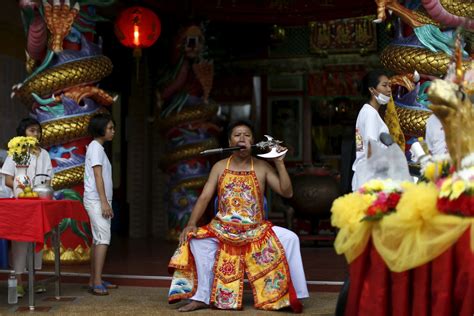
382, 98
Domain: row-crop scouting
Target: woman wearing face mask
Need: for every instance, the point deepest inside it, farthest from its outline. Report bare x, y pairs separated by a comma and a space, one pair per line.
40, 163
369, 124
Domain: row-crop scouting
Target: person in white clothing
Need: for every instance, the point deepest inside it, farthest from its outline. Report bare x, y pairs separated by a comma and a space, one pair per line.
369, 124
98, 198
40, 163
435, 137
5, 192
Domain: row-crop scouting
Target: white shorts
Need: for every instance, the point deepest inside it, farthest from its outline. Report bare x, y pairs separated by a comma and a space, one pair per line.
100, 226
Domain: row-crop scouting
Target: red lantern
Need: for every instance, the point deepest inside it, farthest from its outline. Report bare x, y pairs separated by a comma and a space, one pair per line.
137, 27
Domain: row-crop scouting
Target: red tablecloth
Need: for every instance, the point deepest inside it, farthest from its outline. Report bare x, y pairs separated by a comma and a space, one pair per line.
30, 219
444, 286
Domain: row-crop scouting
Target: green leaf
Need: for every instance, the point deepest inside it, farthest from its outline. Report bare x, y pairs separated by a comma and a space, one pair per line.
373, 218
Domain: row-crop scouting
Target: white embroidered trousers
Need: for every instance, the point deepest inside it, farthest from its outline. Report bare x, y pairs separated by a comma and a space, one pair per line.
204, 252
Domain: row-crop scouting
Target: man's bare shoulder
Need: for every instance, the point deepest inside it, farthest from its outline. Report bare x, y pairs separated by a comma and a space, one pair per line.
220, 165
261, 164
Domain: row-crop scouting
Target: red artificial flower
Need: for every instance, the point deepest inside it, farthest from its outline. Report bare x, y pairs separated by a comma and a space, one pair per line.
463, 205
383, 208
452, 169
466, 205
455, 205
443, 205
372, 210
392, 200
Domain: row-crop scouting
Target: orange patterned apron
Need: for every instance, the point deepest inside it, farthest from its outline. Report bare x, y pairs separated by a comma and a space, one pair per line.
247, 245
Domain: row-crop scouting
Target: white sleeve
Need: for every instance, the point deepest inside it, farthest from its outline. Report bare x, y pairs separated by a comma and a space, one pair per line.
9, 167
369, 129
95, 155
429, 133
47, 166
435, 137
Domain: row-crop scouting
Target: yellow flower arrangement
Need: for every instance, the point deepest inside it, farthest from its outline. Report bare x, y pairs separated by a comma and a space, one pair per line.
374, 185
19, 148
353, 234
437, 169
445, 189
458, 188
348, 210
418, 202
459, 183
378, 185
456, 193
430, 170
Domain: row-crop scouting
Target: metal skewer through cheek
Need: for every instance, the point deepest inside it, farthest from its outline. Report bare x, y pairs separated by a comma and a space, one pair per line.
270, 144
220, 150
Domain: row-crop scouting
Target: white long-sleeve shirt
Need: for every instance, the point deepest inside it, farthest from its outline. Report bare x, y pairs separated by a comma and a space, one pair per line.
369, 126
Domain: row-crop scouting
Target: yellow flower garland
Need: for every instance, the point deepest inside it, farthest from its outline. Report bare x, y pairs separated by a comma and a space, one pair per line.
347, 212
412, 236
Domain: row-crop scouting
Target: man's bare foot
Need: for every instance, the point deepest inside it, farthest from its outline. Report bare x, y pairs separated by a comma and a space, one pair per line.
192, 306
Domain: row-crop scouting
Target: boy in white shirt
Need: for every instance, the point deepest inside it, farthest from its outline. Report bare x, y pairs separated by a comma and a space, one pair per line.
98, 198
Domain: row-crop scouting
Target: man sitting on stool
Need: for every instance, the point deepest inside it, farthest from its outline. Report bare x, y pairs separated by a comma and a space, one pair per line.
239, 239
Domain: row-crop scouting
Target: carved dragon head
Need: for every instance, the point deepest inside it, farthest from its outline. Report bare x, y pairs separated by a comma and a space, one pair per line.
453, 106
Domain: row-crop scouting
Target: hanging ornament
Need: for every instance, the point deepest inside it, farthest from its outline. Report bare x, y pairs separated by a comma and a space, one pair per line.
137, 27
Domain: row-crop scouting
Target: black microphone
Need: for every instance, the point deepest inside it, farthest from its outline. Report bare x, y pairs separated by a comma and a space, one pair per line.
386, 139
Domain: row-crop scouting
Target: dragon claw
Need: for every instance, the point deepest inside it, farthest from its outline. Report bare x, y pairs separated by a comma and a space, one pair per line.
416, 76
